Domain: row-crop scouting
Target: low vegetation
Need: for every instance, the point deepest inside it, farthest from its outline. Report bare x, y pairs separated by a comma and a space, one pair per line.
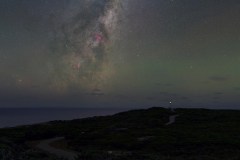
134, 135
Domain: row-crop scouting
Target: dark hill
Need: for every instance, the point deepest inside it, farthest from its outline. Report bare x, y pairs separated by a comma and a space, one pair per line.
140, 134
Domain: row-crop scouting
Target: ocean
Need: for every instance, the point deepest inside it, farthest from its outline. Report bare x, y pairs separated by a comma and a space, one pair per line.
10, 117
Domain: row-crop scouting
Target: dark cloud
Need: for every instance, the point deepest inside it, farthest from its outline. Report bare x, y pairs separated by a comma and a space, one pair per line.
169, 84
164, 84
236, 88
219, 78
216, 97
167, 94
96, 92
184, 98
163, 93
151, 98
218, 93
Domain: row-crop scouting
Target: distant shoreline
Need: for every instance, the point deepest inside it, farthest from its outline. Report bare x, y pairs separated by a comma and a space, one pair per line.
14, 117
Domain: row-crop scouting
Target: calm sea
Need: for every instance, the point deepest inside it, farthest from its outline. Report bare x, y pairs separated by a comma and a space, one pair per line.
10, 117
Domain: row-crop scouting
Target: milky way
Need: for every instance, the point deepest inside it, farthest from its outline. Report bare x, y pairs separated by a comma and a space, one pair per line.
119, 53
82, 44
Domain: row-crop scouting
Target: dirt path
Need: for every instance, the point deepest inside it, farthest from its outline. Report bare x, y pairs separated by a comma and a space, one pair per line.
172, 119
45, 146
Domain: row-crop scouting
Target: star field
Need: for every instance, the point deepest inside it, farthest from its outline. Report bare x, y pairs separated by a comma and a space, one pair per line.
112, 53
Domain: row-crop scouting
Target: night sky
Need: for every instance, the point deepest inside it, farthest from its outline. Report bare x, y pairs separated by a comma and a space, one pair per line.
120, 53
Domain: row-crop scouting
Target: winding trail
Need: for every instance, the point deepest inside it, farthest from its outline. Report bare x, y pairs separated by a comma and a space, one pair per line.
172, 118
45, 146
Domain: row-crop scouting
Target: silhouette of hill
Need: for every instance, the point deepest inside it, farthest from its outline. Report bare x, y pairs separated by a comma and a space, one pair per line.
136, 134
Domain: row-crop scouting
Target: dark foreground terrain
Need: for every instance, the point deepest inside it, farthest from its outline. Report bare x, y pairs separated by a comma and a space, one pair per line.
199, 134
